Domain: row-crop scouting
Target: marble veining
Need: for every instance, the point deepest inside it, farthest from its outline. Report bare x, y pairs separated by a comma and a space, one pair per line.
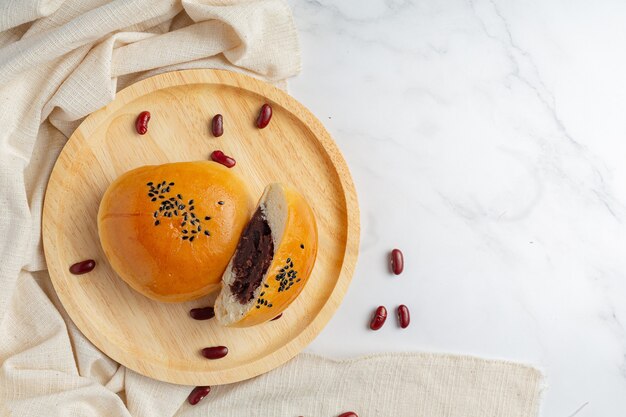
487, 140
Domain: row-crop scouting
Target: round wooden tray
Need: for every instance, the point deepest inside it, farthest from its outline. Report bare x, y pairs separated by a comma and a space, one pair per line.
160, 340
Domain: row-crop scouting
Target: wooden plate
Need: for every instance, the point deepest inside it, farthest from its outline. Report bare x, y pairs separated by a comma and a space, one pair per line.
160, 340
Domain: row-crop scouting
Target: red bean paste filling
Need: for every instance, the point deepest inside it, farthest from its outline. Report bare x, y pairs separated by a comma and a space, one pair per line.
254, 254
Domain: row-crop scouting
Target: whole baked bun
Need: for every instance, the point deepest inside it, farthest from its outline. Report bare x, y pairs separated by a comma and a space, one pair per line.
170, 230
273, 261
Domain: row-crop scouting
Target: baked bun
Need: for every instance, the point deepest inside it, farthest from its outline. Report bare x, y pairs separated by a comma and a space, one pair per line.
273, 260
170, 230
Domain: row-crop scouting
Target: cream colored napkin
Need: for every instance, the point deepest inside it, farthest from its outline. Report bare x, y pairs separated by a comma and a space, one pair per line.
61, 60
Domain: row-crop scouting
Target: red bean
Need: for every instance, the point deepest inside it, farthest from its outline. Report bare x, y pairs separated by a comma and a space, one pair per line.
265, 115
222, 158
217, 125
277, 317
141, 124
83, 267
349, 414
203, 313
404, 317
198, 394
397, 261
215, 352
379, 318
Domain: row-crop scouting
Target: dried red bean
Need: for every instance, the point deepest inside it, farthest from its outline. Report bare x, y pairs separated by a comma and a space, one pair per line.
83, 267
215, 352
141, 124
396, 261
198, 394
277, 317
217, 125
349, 414
404, 317
380, 315
265, 115
222, 158
203, 313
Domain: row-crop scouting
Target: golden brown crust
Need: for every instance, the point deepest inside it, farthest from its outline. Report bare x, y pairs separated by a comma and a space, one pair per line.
165, 231
296, 252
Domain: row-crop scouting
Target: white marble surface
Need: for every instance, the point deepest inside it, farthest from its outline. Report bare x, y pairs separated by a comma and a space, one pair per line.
487, 139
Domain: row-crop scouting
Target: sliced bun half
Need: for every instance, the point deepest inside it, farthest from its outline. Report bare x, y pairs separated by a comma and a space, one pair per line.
273, 260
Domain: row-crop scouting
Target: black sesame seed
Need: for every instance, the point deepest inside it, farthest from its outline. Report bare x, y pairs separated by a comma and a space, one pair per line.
167, 190
180, 197
183, 224
207, 218
288, 260
156, 213
150, 194
291, 264
156, 223
185, 231
193, 215
180, 207
206, 232
185, 237
302, 246
158, 186
199, 228
258, 306
149, 184
190, 202
154, 199
262, 294
194, 231
163, 183
191, 208
298, 280
192, 238
270, 305
221, 203
161, 196
172, 198
160, 208
171, 183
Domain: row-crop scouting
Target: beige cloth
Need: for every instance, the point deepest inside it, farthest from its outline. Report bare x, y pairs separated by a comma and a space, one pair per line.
61, 60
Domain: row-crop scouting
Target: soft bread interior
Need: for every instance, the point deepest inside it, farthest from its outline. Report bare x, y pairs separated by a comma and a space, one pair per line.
273, 205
